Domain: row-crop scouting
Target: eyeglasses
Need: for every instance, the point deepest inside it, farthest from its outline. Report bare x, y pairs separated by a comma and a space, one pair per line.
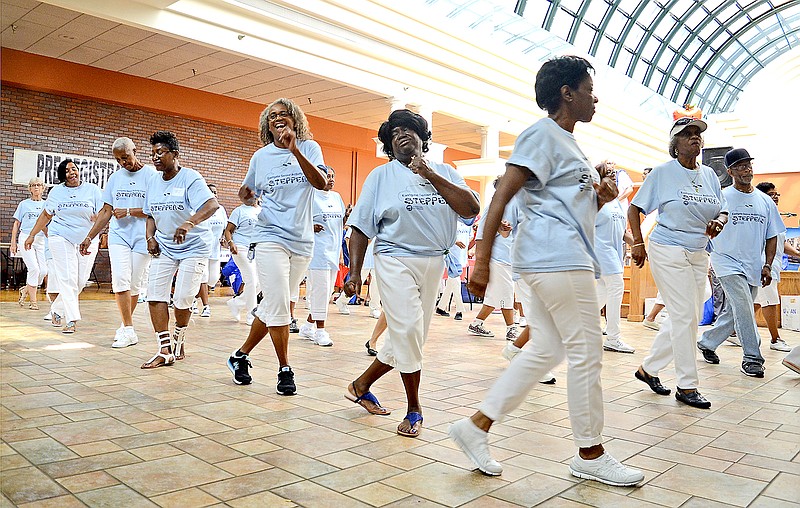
157, 154
742, 166
773, 194
278, 114
36, 185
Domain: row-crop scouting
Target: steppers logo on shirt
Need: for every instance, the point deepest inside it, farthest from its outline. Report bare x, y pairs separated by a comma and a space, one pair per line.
585, 178
691, 194
413, 198
746, 213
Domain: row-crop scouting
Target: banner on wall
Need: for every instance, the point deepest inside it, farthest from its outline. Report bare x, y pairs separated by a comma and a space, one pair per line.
32, 163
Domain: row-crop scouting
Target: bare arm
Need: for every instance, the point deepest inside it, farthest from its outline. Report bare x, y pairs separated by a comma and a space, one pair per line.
228, 238
203, 213
790, 250
41, 223
358, 247
14, 232
150, 234
638, 252
461, 200
103, 216
769, 253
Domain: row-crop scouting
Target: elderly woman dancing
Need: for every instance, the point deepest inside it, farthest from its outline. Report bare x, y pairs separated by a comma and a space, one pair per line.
558, 193
691, 209
25, 217
411, 207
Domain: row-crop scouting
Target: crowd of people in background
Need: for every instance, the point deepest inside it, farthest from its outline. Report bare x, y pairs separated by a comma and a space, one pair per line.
549, 253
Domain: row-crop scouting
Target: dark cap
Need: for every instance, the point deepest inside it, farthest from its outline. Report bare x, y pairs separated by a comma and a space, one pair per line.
736, 155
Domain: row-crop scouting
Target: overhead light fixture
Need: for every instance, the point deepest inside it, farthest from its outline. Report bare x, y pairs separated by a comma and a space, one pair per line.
240, 36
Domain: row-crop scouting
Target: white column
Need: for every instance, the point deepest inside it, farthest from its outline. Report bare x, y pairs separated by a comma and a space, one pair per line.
435, 150
490, 142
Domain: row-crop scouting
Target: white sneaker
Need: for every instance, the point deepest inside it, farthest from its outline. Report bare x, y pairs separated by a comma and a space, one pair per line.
118, 334
206, 311
341, 304
617, 345
128, 338
651, 324
193, 308
605, 469
48, 316
479, 330
512, 333
307, 330
510, 351
475, 444
548, 379
735, 341
780, 345
321, 337
234, 308
375, 313
523, 322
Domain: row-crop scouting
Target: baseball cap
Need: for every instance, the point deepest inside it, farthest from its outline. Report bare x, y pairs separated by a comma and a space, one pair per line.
736, 155
682, 123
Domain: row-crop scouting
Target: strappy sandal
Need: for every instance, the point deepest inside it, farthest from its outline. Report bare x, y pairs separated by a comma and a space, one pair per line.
370, 351
33, 306
164, 342
55, 319
178, 341
374, 407
22, 294
415, 421
69, 327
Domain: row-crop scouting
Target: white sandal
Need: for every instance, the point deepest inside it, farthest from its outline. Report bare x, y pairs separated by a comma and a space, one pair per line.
164, 341
178, 340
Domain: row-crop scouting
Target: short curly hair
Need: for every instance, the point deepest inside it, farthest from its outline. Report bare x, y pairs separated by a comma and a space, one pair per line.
301, 129
403, 118
166, 138
61, 170
555, 73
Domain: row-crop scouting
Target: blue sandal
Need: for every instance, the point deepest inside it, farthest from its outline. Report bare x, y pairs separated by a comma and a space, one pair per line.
415, 420
374, 407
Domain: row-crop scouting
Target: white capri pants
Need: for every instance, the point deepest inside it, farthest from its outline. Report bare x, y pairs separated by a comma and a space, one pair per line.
281, 271
52, 280
681, 276
409, 286
562, 312
610, 289
318, 292
500, 289
374, 292
72, 271
33, 259
127, 269
190, 272
247, 267
768, 296
212, 274
452, 289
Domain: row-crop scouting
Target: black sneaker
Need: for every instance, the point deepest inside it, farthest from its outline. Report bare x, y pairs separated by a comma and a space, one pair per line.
443, 313
286, 381
692, 398
293, 328
708, 355
238, 365
752, 369
458, 316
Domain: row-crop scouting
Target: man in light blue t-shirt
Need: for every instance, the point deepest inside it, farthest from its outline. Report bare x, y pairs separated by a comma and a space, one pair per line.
742, 258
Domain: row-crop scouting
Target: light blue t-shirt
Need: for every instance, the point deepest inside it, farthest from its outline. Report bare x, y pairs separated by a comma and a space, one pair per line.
405, 212
126, 189
739, 248
329, 213
216, 225
502, 247
27, 213
286, 196
244, 217
557, 201
463, 235
73, 210
686, 200
777, 262
608, 233
171, 203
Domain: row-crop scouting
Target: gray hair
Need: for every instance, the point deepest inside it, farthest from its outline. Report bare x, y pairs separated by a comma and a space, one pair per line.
35, 180
673, 147
123, 144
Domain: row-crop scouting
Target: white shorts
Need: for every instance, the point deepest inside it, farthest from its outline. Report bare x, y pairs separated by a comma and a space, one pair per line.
279, 272
187, 283
768, 296
127, 269
500, 290
319, 285
211, 274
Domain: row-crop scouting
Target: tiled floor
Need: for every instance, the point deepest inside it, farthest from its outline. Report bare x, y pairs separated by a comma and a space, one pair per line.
83, 425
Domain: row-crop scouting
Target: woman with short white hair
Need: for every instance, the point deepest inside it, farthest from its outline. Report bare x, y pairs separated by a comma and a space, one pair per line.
25, 217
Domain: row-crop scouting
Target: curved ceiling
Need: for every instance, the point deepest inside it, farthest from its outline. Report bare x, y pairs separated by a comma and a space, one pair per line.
691, 52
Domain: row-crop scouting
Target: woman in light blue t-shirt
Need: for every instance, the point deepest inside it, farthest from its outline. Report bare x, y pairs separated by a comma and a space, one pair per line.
25, 217
559, 194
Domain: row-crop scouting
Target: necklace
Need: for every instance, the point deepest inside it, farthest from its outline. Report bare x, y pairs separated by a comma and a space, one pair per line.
693, 181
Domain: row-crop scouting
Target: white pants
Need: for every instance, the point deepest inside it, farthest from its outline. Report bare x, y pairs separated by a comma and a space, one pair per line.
681, 277
500, 289
33, 259
247, 267
409, 286
190, 272
452, 289
279, 273
211, 273
374, 292
72, 271
562, 315
127, 269
52, 280
319, 284
610, 289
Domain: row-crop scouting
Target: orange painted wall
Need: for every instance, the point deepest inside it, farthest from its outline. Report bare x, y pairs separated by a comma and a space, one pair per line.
788, 185
348, 149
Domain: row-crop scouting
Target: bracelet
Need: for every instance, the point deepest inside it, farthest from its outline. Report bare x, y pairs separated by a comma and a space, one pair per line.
151, 238
637, 244
189, 222
128, 212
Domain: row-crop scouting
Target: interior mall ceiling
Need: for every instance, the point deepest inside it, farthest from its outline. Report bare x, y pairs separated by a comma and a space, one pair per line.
225, 47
